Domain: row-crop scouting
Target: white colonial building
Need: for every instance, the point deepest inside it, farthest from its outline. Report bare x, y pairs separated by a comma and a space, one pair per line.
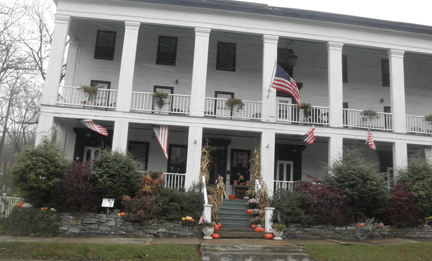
202, 53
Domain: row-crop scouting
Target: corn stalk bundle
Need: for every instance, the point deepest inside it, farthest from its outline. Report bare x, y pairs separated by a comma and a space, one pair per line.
261, 193
205, 162
217, 198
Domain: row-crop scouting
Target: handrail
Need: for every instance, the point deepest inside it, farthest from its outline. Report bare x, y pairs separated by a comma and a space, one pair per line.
205, 190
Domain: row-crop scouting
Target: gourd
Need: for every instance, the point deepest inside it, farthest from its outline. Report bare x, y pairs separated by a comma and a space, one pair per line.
257, 229
219, 224
249, 211
215, 236
231, 196
269, 236
122, 214
253, 226
20, 204
188, 218
216, 227
361, 225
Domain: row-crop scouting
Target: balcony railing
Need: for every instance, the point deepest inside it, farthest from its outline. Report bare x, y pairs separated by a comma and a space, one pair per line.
174, 104
356, 119
75, 96
174, 180
292, 114
418, 124
218, 107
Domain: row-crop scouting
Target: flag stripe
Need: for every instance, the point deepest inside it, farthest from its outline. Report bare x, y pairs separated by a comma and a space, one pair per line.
370, 141
161, 133
309, 137
283, 82
94, 127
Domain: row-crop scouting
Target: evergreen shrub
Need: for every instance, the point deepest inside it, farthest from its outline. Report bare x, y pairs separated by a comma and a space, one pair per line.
292, 207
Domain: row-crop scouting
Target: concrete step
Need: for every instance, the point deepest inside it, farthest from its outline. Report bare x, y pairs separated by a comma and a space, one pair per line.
234, 217
239, 233
246, 256
235, 211
235, 224
254, 249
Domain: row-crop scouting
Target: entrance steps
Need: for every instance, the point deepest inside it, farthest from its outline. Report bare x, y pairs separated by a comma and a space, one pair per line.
239, 233
278, 251
232, 214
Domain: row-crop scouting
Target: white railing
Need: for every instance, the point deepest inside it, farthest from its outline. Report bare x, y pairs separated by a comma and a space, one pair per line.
74, 96
356, 119
174, 180
217, 107
418, 124
6, 205
284, 185
175, 103
291, 113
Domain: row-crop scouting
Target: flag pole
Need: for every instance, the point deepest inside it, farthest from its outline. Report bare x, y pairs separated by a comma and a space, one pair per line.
272, 79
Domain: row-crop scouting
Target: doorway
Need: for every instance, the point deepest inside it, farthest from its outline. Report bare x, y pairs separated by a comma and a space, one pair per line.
240, 165
284, 173
91, 152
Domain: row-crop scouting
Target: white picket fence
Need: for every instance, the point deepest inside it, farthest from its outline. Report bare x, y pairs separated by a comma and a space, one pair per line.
6, 205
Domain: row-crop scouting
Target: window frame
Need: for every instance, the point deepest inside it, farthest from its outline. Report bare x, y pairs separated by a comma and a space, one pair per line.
222, 52
147, 147
166, 58
99, 47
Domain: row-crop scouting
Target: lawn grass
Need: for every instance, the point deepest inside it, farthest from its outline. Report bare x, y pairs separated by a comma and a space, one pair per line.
69, 251
404, 252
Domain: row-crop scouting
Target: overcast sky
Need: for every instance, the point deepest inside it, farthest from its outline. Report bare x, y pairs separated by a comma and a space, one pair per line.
413, 11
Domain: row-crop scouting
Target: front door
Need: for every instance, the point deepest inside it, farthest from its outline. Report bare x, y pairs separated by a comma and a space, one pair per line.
284, 172
240, 166
90, 152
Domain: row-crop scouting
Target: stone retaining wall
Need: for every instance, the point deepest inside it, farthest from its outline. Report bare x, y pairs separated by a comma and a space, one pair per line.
348, 232
101, 225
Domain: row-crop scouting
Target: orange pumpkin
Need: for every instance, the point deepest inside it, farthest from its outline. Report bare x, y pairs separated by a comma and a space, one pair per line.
231, 196
381, 224
236, 199
269, 236
122, 214
361, 225
215, 236
253, 226
249, 211
216, 228
257, 229
219, 224
261, 230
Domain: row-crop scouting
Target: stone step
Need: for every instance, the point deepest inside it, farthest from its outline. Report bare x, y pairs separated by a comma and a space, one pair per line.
246, 256
239, 233
234, 217
253, 249
235, 211
235, 224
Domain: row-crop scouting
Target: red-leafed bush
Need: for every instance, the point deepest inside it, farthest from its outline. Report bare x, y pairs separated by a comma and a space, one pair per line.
329, 204
402, 210
75, 193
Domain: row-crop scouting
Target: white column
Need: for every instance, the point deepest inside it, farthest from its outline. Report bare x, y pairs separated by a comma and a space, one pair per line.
268, 219
428, 154
268, 141
62, 130
397, 90
193, 155
199, 71
120, 136
335, 149
127, 67
52, 80
335, 84
270, 46
72, 58
44, 128
400, 157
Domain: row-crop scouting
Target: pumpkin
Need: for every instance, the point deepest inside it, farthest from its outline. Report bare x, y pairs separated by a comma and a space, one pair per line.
219, 224
236, 199
122, 214
249, 211
183, 219
253, 226
269, 236
193, 220
20, 204
216, 228
215, 236
381, 224
188, 218
361, 225
257, 229
261, 230
231, 196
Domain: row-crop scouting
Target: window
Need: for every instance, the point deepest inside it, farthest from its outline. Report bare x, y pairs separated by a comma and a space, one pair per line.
344, 68
177, 159
385, 67
105, 45
282, 59
167, 50
139, 152
226, 56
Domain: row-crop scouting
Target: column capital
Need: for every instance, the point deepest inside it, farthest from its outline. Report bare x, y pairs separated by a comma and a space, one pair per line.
132, 25
270, 38
62, 19
200, 31
334, 46
395, 53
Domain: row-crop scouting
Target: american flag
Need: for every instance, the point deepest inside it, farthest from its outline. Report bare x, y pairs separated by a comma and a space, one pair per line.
161, 133
309, 137
93, 126
370, 141
201, 220
283, 82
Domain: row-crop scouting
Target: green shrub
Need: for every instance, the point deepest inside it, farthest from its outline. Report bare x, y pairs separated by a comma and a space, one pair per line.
37, 171
115, 174
24, 222
358, 176
292, 207
419, 175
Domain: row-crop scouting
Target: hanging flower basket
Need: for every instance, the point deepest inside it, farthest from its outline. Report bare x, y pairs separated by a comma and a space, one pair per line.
89, 90
370, 114
428, 118
158, 98
235, 103
307, 109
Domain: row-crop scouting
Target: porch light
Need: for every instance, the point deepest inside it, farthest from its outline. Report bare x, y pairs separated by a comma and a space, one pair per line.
292, 58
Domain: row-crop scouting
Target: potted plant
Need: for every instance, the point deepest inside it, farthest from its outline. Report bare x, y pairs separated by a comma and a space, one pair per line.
208, 229
428, 118
307, 109
370, 114
89, 90
278, 230
231, 103
253, 202
159, 99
